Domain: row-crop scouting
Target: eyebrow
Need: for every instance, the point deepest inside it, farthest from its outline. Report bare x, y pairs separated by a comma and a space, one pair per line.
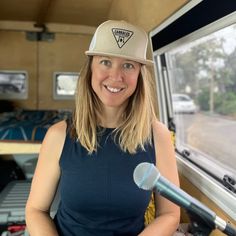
125, 59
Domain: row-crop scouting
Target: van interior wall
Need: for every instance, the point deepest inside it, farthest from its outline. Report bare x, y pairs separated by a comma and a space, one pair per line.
41, 59
66, 53
16, 53
147, 14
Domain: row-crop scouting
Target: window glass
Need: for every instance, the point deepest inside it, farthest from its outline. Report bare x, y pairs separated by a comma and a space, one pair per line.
203, 81
13, 84
65, 85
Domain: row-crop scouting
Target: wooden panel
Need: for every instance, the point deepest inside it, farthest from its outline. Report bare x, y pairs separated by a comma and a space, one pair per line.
145, 13
82, 12
86, 12
13, 147
24, 10
64, 54
17, 53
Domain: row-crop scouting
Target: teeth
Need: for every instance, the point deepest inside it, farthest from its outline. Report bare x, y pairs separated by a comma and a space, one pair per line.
113, 90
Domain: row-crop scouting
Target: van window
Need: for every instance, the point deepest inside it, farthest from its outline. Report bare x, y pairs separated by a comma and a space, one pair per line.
64, 84
13, 85
196, 89
203, 79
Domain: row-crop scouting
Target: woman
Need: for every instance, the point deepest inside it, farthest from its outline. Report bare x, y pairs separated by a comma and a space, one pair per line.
113, 129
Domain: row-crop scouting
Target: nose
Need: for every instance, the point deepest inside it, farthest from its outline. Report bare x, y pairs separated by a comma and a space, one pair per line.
116, 74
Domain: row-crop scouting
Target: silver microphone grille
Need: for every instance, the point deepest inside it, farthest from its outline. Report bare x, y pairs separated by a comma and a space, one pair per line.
145, 175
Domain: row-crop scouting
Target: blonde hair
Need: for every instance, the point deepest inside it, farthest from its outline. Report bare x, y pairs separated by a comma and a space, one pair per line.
135, 129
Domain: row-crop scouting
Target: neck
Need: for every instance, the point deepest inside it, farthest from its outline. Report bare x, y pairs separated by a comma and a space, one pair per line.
111, 117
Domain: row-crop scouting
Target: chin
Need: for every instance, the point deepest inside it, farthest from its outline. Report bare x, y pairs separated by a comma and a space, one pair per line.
113, 104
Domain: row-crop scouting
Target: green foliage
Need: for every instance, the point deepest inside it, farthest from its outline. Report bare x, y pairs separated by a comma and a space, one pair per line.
203, 100
227, 106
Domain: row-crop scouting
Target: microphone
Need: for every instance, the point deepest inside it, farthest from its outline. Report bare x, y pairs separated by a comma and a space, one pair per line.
147, 177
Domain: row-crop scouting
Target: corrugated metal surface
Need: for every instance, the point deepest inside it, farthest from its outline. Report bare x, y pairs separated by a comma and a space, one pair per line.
13, 200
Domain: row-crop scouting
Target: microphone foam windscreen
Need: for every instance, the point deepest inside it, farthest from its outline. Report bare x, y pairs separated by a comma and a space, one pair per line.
146, 175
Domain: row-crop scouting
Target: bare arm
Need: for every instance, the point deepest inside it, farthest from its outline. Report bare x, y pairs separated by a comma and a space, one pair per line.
44, 184
168, 214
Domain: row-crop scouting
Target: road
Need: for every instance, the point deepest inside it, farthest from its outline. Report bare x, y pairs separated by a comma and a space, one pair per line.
213, 135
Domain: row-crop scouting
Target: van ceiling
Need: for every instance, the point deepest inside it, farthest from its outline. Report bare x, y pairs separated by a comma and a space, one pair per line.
78, 12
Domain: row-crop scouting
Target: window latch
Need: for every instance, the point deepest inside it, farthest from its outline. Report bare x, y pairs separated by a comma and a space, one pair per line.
229, 183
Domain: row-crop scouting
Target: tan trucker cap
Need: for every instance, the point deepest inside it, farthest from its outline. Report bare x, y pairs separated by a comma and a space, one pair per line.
120, 39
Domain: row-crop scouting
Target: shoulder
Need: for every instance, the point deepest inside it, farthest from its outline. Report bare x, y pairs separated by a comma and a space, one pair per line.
55, 136
57, 129
163, 142
160, 131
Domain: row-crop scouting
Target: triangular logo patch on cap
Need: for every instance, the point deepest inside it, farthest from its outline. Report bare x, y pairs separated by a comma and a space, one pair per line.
121, 36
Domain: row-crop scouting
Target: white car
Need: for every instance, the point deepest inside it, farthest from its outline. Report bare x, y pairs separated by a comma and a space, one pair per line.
182, 103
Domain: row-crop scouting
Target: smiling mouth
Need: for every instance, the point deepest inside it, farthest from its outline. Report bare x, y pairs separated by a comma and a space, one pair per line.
113, 90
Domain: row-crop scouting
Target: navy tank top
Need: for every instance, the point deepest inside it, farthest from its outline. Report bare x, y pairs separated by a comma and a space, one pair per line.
98, 193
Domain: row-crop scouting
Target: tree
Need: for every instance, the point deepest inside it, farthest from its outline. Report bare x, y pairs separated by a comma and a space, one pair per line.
202, 66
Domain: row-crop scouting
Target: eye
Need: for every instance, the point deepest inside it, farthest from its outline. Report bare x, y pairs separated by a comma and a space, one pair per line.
128, 66
105, 62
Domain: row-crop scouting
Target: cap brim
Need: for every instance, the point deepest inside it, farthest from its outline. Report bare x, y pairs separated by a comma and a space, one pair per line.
140, 60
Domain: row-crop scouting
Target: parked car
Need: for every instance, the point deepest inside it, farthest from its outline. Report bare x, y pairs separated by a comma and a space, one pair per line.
182, 103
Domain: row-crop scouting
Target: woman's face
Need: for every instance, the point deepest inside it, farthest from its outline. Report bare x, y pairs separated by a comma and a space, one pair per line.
114, 79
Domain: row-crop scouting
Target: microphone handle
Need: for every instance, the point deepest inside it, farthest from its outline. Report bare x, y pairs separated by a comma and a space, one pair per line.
168, 190
225, 227
229, 230
203, 212
183, 199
